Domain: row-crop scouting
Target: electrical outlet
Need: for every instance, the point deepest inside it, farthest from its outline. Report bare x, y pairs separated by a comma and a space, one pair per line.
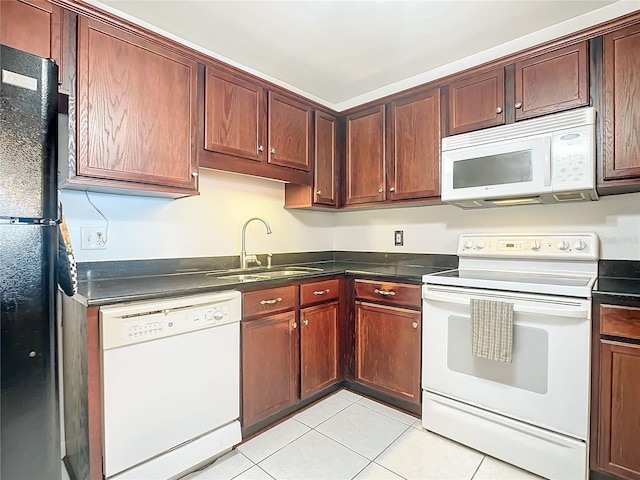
94, 238
398, 238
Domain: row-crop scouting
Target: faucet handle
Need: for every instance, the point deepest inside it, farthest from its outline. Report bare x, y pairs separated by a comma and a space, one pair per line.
252, 259
269, 257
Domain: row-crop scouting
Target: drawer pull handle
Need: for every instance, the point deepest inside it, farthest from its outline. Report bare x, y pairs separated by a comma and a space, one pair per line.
271, 302
385, 292
305, 322
321, 292
414, 324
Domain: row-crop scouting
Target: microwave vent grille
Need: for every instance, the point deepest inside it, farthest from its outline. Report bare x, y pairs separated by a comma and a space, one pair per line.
536, 126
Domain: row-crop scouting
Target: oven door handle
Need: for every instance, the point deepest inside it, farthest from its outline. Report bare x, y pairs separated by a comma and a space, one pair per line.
561, 309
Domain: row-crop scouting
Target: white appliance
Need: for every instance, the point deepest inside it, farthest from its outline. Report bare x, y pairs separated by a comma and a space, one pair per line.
170, 384
549, 159
534, 411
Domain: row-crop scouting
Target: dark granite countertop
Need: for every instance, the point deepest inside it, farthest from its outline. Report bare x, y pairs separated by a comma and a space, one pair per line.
102, 289
618, 280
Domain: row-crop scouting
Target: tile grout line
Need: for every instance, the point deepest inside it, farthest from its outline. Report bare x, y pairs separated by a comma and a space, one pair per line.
479, 465
382, 413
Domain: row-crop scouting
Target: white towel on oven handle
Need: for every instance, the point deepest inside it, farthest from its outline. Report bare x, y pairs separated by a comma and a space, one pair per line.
492, 329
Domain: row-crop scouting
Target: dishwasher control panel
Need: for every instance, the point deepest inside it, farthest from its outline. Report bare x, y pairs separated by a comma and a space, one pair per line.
139, 322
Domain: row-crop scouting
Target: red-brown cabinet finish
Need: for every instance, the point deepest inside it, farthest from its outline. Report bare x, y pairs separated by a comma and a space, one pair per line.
365, 162
387, 349
619, 425
33, 26
269, 366
136, 110
235, 117
621, 105
318, 348
325, 170
289, 132
477, 102
414, 168
552, 82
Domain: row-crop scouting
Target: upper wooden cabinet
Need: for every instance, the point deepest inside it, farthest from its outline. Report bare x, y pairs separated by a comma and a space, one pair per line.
365, 162
621, 110
250, 130
552, 82
396, 157
136, 114
413, 171
323, 192
33, 26
234, 116
476, 102
545, 83
289, 132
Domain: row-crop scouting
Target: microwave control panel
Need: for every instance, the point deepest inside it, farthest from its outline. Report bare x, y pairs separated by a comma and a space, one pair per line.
573, 154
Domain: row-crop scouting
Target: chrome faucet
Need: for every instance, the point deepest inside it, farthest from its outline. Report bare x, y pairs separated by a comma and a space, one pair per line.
244, 258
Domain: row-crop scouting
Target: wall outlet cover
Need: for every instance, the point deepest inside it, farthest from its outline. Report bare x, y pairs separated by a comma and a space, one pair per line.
94, 238
398, 238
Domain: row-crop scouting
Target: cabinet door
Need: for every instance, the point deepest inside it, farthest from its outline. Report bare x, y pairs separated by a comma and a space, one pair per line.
365, 166
269, 366
324, 177
388, 350
32, 26
318, 348
621, 113
136, 109
552, 82
414, 170
476, 102
235, 116
619, 409
289, 133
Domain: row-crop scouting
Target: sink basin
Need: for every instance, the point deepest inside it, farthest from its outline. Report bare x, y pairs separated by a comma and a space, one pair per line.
265, 274
243, 278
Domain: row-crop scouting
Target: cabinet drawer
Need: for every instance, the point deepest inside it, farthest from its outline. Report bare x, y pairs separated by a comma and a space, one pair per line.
620, 321
319, 291
268, 300
389, 292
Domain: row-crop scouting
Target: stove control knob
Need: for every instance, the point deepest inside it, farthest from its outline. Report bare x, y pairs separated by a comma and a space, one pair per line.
468, 244
218, 315
562, 245
579, 245
480, 245
535, 245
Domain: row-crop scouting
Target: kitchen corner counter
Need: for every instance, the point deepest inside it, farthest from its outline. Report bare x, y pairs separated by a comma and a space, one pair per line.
104, 289
618, 280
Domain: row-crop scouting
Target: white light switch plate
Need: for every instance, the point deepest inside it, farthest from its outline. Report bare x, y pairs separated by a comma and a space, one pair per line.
94, 238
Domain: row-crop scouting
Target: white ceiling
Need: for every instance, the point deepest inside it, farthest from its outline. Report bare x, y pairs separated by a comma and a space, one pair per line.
342, 53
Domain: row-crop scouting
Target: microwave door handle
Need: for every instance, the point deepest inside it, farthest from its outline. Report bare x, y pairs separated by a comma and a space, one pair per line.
571, 311
547, 161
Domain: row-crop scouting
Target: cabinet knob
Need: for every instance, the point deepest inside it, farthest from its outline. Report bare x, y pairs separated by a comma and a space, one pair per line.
518, 105
261, 148
499, 110
194, 174
380, 190
305, 322
392, 189
294, 325
273, 151
319, 192
414, 324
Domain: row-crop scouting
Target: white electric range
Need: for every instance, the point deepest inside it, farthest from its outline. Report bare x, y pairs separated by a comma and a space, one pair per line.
534, 411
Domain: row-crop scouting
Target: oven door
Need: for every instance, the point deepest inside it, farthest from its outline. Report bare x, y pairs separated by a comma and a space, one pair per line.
547, 383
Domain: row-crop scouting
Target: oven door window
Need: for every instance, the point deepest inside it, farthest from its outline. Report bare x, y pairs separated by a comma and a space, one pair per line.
528, 371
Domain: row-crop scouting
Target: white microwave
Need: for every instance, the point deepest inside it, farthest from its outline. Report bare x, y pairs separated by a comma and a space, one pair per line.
549, 159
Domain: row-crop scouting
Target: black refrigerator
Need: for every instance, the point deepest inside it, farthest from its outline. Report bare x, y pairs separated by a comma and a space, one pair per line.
29, 413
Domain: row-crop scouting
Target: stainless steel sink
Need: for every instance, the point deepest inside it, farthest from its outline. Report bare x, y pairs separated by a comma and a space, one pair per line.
254, 275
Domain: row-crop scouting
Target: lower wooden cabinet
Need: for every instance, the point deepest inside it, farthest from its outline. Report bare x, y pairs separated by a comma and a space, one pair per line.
318, 348
618, 393
269, 366
388, 349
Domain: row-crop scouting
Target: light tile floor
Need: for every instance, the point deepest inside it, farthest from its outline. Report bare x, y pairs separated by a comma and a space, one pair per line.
347, 436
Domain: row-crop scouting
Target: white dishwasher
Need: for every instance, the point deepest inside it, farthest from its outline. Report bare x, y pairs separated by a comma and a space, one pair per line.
170, 384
